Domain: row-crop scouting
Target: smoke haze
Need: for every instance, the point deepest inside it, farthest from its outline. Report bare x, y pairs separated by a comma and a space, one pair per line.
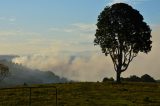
81, 68
93, 65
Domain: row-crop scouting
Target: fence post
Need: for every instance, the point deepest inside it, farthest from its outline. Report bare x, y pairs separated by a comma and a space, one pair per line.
30, 96
56, 97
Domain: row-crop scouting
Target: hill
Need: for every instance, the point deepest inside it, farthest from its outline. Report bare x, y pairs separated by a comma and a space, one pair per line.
22, 75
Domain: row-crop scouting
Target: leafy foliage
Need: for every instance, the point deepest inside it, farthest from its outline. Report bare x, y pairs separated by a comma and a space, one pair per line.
143, 78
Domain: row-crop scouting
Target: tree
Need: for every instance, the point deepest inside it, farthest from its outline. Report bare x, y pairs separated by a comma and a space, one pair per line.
4, 70
122, 34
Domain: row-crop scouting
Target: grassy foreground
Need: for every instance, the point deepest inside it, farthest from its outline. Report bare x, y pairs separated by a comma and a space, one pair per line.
92, 94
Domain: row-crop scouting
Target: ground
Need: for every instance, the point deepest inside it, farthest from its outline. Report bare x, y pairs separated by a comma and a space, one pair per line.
89, 94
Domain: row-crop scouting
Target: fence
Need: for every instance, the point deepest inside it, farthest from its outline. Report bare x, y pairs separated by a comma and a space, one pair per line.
29, 96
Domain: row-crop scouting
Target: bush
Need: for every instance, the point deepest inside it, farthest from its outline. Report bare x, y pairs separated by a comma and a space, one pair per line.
147, 78
107, 79
134, 78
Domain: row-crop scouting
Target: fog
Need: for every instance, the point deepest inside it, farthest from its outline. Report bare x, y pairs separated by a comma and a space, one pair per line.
94, 66
79, 68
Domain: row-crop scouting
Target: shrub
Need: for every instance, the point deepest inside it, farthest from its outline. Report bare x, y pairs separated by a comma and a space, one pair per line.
134, 78
147, 78
107, 79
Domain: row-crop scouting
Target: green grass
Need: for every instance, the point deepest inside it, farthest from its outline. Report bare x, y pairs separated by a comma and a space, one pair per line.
89, 94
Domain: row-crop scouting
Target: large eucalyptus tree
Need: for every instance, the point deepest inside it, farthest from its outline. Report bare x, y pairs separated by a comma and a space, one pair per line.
122, 34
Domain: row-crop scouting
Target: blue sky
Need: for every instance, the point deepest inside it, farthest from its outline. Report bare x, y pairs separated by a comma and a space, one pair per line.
47, 27
57, 20
48, 13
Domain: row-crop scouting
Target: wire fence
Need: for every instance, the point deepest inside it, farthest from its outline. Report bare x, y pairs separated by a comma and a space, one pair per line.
29, 96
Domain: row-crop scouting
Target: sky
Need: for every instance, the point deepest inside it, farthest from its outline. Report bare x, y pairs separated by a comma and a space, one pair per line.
61, 32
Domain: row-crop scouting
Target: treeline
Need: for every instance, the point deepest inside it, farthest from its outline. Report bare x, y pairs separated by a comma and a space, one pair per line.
134, 78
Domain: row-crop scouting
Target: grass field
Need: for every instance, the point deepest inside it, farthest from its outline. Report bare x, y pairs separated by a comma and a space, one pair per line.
87, 94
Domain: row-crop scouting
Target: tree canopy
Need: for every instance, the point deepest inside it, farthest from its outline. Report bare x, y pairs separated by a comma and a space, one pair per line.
4, 70
122, 34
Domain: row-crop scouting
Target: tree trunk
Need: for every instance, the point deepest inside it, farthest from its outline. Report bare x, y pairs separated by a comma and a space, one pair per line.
118, 77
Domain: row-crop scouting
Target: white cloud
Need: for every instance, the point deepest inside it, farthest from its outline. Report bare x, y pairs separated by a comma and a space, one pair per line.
85, 27
74, 37
41, 45
68, 30
8, 19
54, 29
17, 33
22, 42
76, 27
12, 19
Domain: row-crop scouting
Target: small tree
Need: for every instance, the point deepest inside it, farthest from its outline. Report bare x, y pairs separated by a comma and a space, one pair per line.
4, 70
122, 34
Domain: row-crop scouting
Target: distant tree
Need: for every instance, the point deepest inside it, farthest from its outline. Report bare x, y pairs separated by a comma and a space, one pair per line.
4, 70
122, 34
158, 80
134, 78
147, 78
107, 79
